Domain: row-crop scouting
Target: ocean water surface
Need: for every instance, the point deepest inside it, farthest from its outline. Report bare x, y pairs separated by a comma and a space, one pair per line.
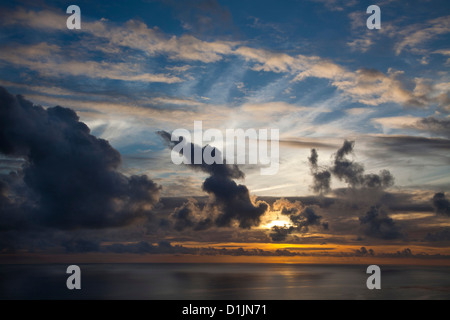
223, 281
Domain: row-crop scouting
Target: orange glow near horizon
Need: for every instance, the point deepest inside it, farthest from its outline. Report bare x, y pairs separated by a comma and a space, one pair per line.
318, 254
188, 258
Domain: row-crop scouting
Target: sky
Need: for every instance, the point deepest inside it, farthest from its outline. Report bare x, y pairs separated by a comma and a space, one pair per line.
363, 116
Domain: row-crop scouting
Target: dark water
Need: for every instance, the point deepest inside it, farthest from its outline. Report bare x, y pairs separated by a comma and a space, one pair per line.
222, 281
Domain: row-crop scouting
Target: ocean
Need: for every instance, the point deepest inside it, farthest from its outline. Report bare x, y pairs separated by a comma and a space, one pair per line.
223, 282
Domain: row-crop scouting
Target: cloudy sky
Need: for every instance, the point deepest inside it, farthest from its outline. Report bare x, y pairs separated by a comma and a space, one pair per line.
363, 118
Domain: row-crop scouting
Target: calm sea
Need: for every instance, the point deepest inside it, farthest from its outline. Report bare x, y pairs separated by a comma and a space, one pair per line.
223, 281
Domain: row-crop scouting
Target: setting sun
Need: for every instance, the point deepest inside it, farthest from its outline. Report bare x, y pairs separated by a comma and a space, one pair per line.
278, 223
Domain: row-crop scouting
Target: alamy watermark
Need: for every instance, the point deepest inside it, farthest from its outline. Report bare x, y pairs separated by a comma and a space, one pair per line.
374, 21
374, 281
241, 146
74, 21
74, 280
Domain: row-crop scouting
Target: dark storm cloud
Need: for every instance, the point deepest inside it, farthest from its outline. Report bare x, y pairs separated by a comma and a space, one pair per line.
279, 233
441, 235
191, 216
184, 216
305, 219
232, 199
218, 170
377, 224
441, 204
70, 178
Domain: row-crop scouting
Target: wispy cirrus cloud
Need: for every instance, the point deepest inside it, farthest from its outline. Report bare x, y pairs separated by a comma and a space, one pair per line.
362, 85
414, 37
49, 60
432, 125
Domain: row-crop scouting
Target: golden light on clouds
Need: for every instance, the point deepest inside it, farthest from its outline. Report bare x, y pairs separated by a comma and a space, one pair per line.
275, 218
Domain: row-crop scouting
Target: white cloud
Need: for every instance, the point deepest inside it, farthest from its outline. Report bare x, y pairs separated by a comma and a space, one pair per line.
365, 86
49, 60
359, 111
414, 36
400, 122
361, 44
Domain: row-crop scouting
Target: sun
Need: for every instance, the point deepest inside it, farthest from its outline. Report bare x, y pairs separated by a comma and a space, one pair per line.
278, 223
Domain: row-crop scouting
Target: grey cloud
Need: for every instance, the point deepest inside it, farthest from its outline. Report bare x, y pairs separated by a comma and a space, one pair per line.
377, 224
305, 219
191, 216
436, 126
143, 247
302, 218
202, 16
321, 178
441, 235
69, 178
409, 145
232, 199
364, 252
353, 173
441, 204
279, 233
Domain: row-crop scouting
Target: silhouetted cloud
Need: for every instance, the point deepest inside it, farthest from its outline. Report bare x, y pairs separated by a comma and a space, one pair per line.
405, 253
280, 233
305, 219
351, 172
143, 247
441, 204
377, 224
364, 252
233, 200
321, 178
313, 159
301, 218
441, 235
70, 178
190, 215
